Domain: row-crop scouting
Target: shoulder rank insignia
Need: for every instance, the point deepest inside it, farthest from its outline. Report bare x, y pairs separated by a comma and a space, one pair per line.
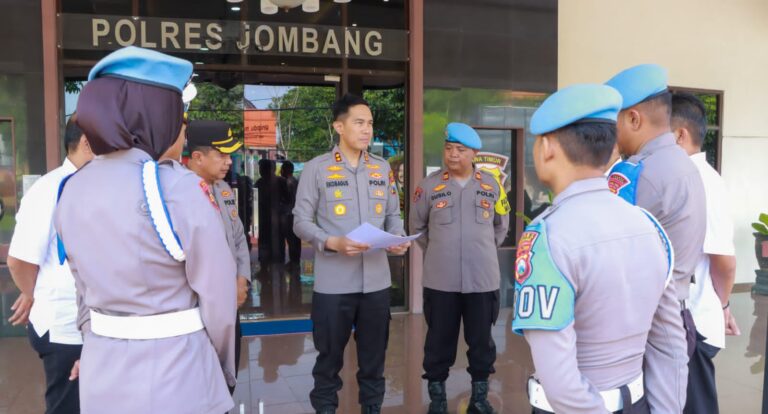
207, 190
478, 176
446, 176
337, 156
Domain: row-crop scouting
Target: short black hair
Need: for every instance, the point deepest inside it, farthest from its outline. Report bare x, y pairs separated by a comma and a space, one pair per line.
588, 143
689, 109
72, 134
342, 105
662, 101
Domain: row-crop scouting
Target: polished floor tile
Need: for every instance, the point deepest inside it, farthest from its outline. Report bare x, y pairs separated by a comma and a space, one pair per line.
276, 370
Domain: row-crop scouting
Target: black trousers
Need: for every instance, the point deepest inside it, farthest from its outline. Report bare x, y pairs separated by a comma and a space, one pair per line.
702, 391
61, 395
238, 339
444, 312
690, 330
333, 318
640, 407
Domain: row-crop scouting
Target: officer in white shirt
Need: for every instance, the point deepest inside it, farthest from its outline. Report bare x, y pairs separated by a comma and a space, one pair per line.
716, 268
47, 299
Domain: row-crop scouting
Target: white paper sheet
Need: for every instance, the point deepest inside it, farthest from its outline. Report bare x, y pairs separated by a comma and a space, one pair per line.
377, 238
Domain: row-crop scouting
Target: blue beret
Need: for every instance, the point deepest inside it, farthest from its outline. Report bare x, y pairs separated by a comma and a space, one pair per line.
144, 66
463, 134
639, 83
585, 102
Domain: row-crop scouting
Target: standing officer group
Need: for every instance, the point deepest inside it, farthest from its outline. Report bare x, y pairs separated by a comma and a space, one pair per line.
592, 274
601, 291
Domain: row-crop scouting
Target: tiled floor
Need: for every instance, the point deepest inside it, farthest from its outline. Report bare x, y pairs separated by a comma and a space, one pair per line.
277, 370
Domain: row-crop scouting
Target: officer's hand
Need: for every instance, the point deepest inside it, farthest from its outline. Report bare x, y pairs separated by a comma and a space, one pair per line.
731, 327
345, 246
399, 249
21, 308
242, 290
75, 373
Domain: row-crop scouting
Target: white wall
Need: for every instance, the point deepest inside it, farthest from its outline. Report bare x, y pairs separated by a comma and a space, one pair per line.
708, 44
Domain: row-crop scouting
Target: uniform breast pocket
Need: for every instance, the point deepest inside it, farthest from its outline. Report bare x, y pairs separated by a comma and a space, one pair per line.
341, 203
377, 204
442, 211
483, 209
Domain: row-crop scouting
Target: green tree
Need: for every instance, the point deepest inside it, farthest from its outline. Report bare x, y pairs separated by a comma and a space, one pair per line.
216, 103
304, 120
388, 107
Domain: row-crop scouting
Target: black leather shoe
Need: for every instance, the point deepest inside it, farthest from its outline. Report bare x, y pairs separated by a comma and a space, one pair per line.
439, 403
371, 409
478, 403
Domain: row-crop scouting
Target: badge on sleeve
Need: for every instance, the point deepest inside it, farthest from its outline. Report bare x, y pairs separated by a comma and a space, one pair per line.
417, 194
623, 178
544, 297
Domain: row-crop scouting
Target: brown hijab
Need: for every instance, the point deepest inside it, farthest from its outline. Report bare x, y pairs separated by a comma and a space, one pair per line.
117, 114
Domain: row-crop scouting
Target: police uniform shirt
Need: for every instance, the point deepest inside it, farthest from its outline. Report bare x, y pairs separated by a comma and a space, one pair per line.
706, 307
121, 268
671, 189
233, 227
461, 229
332, 199
591, 321
54, 310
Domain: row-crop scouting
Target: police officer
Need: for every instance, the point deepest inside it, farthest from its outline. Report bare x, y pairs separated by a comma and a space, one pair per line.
592, 272
147, 249
338, 191
659, 176
210, 144
463, 215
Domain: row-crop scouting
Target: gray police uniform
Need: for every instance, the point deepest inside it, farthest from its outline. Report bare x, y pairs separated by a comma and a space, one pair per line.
122, 269
236, 237
671, 189
332, 199
238, 245
591, 300
461, 229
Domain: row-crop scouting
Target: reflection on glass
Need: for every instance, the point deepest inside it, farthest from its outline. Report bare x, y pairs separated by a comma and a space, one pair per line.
284, 127
7, 182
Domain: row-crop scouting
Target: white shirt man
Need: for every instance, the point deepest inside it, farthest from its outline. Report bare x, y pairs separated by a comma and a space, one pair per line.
48, 300
716, 269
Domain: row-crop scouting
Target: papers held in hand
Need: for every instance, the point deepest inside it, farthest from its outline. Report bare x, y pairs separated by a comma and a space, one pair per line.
378, 238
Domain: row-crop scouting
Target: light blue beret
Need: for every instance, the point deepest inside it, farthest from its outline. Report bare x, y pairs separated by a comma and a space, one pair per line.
639, 83
576, 103
144, 66
463, 134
